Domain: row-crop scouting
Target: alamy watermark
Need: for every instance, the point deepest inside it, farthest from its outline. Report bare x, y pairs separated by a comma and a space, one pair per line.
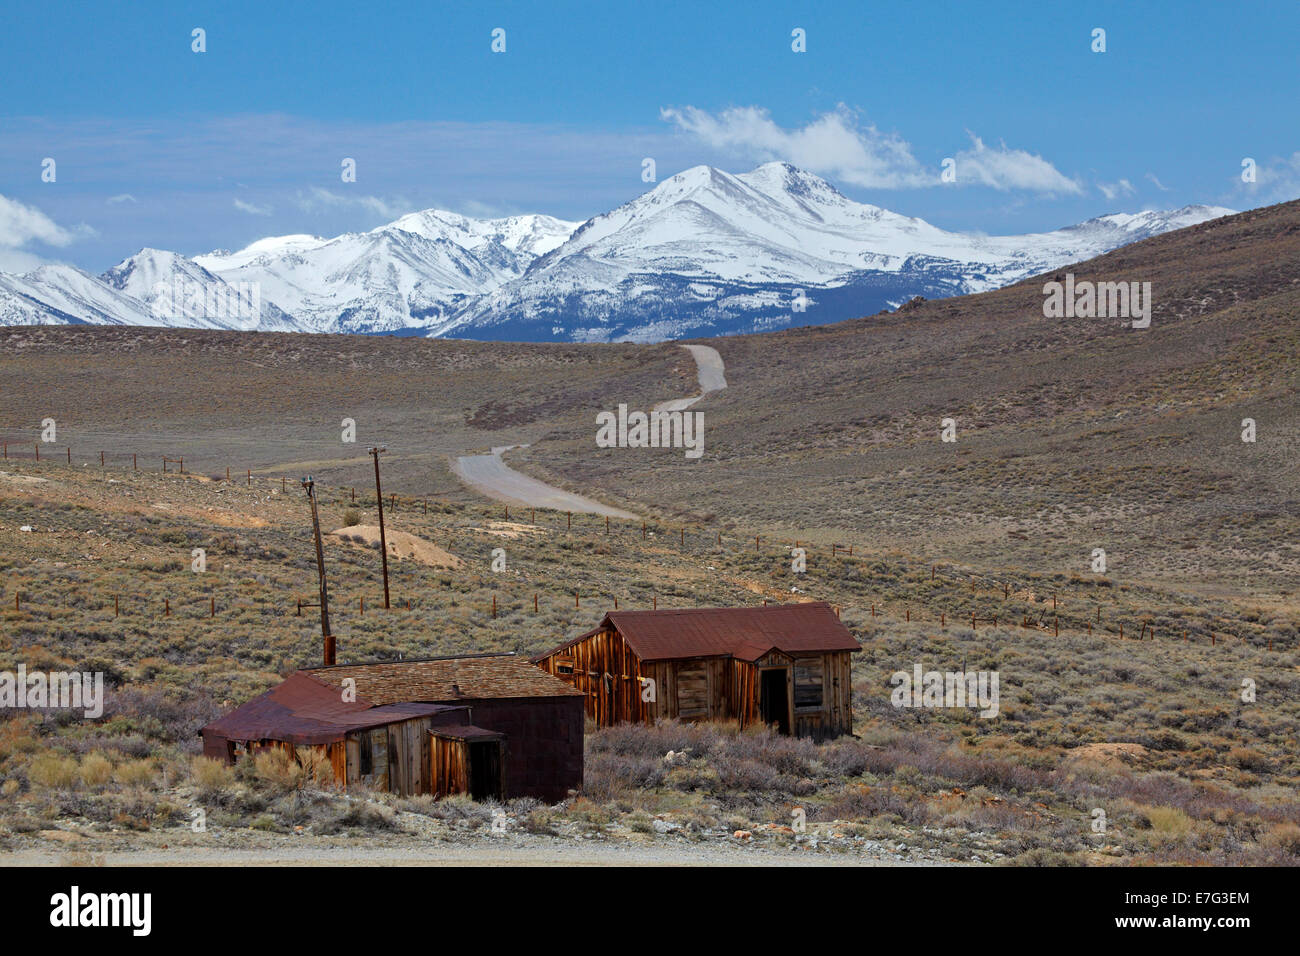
60, 690
923, 688
181, 298
656, 429
1098, 300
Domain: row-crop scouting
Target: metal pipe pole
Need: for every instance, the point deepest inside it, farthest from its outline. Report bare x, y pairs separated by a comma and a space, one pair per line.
383, 541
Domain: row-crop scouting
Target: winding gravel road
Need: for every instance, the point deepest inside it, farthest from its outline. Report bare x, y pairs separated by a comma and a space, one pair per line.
491, 476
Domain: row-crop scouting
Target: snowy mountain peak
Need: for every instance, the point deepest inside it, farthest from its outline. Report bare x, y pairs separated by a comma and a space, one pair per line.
705, 252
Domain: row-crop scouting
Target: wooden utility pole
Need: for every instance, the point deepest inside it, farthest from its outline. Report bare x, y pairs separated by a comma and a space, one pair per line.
383, 541
310, 484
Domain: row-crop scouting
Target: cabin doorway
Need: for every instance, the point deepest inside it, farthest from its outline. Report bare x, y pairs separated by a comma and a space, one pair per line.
774, 697
485, 770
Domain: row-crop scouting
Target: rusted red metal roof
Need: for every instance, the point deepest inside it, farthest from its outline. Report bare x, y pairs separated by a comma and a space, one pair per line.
448, 679
746, 633
304, 710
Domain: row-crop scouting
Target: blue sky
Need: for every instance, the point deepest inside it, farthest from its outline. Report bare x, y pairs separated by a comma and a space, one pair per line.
157, 145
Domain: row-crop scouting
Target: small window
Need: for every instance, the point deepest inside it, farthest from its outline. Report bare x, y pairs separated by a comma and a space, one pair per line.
808, 685
564, 665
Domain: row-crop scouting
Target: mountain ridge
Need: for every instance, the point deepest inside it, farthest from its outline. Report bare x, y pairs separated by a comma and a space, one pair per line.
704, 253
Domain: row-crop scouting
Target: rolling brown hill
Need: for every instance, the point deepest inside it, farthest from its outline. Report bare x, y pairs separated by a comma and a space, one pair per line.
1073, 434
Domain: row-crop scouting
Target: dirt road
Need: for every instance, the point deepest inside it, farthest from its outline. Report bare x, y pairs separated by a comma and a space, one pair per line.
491, 476
509, 853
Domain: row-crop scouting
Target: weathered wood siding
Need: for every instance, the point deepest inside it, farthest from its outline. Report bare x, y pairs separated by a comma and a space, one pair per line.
610, 675
450, 766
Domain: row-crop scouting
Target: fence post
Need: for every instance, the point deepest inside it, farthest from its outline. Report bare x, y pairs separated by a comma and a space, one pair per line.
69, 454
534, 603
213, 608
167, 607
115, 611
494, 606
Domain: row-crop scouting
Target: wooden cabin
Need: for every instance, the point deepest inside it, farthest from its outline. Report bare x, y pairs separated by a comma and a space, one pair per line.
491, 726
786, 665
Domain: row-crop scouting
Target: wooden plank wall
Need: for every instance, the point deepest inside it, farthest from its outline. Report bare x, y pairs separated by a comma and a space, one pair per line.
718, 688
449, 766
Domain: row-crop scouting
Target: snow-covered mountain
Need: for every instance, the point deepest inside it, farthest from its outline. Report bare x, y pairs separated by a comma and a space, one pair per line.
703, 253
424, 269
710, 253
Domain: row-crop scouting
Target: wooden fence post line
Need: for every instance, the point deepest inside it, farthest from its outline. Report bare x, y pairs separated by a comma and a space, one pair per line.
363, 604
250, 477
909, 614
38, 451
1056, 628
606, 524
167, 607
615, 604
656, 603
115, 611
642, 530
134, 464
534, 603
943, 622
214, 607
227, 473
570, 516
69, 454
282, 483
575, 599
494, 606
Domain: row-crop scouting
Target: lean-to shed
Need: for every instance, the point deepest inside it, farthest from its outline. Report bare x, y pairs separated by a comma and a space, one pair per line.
489, 725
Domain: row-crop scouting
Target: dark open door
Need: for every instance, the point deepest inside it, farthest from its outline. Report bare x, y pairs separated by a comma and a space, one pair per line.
485, 770
774, 697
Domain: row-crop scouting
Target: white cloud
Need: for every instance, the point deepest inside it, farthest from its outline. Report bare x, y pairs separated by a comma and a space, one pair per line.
1158, 184
318, 200
1005, 169
835, 144
21, 224
120, 198
251, 209
1114, 190
1275, 181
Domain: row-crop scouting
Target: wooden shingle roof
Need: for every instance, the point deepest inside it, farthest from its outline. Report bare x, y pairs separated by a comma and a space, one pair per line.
447, 680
